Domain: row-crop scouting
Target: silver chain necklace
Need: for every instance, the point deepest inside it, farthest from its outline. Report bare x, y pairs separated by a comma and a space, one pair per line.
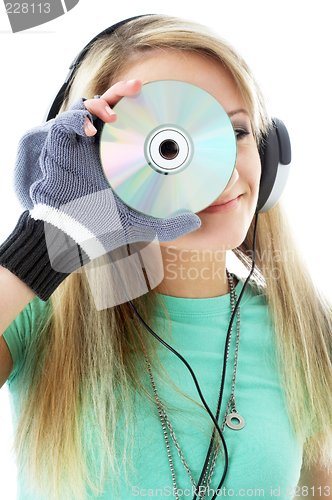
230, 414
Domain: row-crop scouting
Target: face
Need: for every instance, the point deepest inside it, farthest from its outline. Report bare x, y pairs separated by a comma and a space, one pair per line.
224, 226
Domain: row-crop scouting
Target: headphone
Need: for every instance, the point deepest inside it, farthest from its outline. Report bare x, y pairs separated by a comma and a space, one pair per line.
274, 151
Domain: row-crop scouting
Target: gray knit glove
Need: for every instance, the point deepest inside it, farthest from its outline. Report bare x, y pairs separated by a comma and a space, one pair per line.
27, 169
76, 212
74, 196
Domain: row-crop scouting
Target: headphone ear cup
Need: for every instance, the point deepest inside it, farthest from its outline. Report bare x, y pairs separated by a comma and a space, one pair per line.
275, 155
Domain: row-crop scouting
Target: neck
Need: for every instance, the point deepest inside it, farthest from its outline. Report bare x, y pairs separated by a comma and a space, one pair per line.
193, 273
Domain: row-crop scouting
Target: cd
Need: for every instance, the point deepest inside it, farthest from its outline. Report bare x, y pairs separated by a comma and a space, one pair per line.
171, 150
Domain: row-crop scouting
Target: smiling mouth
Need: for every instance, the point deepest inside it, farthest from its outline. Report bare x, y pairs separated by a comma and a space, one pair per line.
223, 206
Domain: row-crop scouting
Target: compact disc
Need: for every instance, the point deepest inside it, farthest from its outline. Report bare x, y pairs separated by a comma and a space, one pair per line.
171, 150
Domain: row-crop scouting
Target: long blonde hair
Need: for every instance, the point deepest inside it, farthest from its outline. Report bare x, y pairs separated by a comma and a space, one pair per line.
84, 366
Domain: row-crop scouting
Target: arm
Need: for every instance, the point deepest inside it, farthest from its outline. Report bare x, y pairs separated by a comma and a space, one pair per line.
47, 242
315, 482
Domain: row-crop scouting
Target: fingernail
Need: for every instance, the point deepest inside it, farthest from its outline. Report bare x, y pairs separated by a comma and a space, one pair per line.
131, 81
109, 110
90, 126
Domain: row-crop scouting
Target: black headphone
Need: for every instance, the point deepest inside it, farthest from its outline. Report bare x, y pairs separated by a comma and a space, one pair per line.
275, 149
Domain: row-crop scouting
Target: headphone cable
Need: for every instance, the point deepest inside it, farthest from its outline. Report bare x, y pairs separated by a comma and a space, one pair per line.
224, 371
184, 361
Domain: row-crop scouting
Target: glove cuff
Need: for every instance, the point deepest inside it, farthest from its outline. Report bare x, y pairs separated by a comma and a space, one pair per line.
25, 254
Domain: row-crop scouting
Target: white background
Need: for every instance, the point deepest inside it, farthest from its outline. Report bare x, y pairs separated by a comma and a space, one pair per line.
288, 45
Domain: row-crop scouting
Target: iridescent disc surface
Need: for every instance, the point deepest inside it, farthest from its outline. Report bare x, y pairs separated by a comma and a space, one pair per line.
171, 150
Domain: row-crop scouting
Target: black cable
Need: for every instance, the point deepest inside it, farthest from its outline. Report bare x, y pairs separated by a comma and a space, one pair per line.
181, 358
214, 419
224, 370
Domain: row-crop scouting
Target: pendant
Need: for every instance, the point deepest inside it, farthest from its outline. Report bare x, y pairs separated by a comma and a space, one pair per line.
231, 425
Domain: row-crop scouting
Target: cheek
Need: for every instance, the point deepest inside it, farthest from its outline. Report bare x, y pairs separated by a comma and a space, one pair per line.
248, 165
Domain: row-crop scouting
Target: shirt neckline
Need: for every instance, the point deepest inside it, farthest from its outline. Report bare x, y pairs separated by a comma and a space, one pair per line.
204, 306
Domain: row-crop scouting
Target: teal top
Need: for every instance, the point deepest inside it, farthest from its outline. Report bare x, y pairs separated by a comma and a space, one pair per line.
264, 455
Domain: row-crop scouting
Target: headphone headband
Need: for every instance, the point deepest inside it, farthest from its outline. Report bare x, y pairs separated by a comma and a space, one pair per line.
59, 98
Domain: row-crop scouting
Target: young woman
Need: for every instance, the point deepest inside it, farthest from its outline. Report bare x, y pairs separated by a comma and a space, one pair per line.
101, 409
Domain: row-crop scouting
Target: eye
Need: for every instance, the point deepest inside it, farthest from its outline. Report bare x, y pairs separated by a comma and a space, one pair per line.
241, 133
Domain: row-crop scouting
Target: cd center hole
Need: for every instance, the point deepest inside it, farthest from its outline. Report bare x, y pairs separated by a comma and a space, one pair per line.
169, 149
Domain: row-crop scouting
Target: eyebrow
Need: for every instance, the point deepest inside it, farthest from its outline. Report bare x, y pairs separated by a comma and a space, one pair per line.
231, 113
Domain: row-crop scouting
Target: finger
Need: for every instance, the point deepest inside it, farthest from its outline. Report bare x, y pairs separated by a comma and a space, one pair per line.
102, 107
121, 89
89, 129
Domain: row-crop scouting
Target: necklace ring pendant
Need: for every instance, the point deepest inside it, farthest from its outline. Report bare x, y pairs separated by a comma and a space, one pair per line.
231, 425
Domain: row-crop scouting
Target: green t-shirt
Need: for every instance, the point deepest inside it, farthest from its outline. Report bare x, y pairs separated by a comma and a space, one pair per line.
264, 457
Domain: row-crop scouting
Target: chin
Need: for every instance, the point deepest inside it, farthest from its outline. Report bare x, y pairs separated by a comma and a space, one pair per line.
224, 233
211, 238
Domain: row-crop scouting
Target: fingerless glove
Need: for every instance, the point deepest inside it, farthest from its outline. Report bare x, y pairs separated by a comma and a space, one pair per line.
74, 216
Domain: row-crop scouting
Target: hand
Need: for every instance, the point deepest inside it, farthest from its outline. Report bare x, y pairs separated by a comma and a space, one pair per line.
74, 196
27, 168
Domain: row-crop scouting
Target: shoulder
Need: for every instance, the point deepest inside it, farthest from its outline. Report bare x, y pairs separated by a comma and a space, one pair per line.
255, 291
23, 330
34, 311
254, 305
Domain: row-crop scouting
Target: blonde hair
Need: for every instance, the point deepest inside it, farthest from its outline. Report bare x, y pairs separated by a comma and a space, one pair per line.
81, 360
